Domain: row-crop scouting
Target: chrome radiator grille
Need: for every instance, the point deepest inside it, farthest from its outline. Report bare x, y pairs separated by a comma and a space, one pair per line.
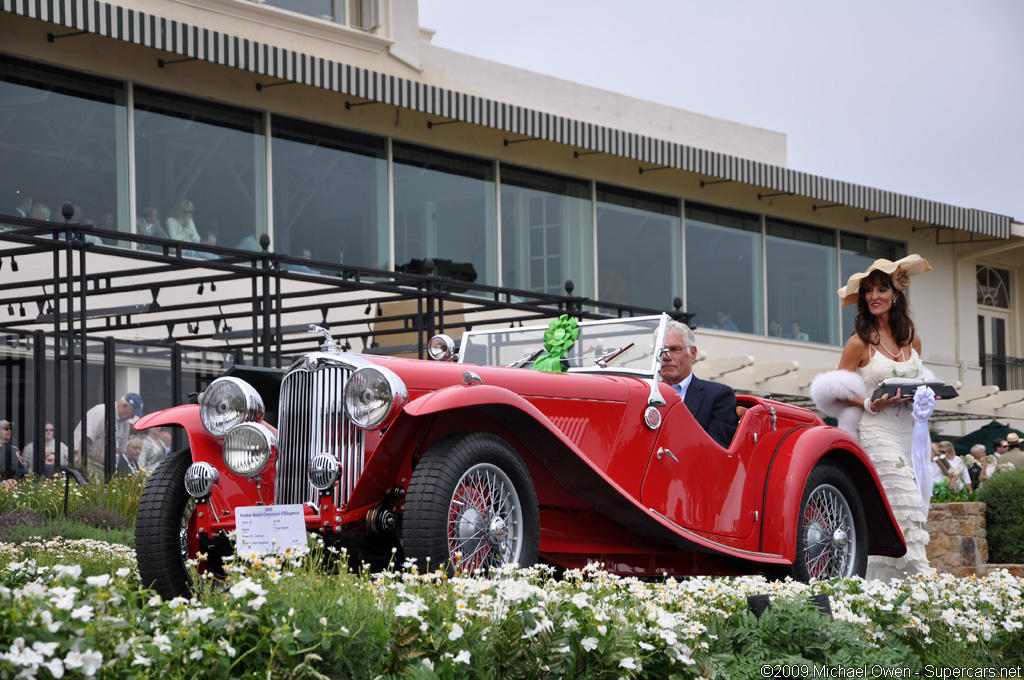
312, 420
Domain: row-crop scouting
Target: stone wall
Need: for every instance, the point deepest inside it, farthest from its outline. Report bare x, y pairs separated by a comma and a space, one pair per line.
958, 539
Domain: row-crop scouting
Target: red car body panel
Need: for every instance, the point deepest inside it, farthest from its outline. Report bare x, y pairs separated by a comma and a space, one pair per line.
609, 487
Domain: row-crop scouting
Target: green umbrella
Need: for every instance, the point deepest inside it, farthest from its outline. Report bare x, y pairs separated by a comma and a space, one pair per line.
986, 434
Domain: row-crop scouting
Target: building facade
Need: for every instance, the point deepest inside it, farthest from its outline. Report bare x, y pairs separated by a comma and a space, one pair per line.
336, 128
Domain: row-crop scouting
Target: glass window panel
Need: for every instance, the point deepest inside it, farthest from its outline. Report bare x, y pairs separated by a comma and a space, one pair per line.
209, 157
330, 193
639, 251
445, 210
856, 254
546, 234
64, 139
993, 287
999, 336
724, 268
322, 9
801, 275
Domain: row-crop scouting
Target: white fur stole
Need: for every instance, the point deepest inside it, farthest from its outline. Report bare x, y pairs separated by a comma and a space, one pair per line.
832, 390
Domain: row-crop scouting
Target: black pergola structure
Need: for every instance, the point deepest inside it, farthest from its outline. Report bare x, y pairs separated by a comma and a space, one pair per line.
81, 302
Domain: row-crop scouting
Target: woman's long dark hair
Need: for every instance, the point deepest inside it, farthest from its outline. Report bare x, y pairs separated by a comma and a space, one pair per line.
899, 316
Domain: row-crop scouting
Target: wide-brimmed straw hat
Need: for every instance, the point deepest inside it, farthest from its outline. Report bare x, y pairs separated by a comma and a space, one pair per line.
900, 271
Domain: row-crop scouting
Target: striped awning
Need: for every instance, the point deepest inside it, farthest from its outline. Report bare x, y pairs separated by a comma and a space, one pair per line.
142, 28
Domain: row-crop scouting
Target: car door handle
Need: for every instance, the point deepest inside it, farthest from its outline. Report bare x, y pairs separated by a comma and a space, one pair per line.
665, 452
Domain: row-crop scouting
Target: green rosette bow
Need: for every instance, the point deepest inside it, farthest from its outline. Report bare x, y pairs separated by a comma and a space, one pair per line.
558, 339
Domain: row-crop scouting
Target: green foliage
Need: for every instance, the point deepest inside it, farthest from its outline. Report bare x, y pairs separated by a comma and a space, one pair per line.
795, 634
76, 605
1003, 495
95, 557
941, 493
45, 496
100, 517
71, 529
15, 523
287, 618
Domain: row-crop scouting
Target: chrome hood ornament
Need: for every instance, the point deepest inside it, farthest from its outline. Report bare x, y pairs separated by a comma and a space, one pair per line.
329, 345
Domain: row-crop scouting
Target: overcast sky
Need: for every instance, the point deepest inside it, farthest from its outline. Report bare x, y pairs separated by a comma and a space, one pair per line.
921, 97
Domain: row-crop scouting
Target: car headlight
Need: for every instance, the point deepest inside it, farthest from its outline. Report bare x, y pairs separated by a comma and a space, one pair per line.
373, 396
248, 448
228, 402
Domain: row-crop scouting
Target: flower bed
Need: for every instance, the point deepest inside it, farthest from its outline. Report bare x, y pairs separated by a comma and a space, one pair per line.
285, 618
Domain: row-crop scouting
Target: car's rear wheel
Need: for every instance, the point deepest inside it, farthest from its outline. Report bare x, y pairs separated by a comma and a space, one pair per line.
832, 537
471, 505
165, 536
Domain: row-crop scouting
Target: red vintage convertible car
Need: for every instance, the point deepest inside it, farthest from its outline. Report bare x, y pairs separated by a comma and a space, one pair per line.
475, 460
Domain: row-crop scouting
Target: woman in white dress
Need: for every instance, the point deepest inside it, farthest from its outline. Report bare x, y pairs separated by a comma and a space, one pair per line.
883, 345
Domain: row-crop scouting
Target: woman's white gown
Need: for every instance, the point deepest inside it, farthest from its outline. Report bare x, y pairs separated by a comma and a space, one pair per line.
886, 437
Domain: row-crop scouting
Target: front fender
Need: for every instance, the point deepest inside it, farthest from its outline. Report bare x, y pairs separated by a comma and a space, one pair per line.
398, 444
231, 491
791, 465
204, 446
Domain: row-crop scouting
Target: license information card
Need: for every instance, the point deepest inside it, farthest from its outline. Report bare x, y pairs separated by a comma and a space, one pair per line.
272, 529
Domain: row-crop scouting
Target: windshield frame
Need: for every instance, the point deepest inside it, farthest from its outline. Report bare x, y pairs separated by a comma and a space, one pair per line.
647, 341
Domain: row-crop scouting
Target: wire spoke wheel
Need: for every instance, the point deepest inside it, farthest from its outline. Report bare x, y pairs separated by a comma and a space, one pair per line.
831, 545
471, 506
832, 529
485, 523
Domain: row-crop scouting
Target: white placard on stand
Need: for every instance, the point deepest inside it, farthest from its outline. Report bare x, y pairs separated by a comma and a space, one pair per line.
269, 529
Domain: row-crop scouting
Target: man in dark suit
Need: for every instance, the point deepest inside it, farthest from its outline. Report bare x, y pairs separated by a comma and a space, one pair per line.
713, 405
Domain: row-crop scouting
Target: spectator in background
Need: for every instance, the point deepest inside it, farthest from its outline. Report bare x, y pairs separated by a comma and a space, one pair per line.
180, 225
209, 239
14, 465
22, 204
980, 466
949, 466
165, 436
128, 460
774, 329
79, 216
153, 450
999, 447
796, 333
109, 223
49, 446
723, 321
307, 254
90, 456
1012, 455
250, 242
40, 211
148, 224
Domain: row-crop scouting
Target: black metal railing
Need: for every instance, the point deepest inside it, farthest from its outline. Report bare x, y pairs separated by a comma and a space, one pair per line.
79, 300
1005, 372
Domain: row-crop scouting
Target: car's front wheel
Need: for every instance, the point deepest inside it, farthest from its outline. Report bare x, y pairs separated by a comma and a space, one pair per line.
165, 535
832, 537
471, 505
